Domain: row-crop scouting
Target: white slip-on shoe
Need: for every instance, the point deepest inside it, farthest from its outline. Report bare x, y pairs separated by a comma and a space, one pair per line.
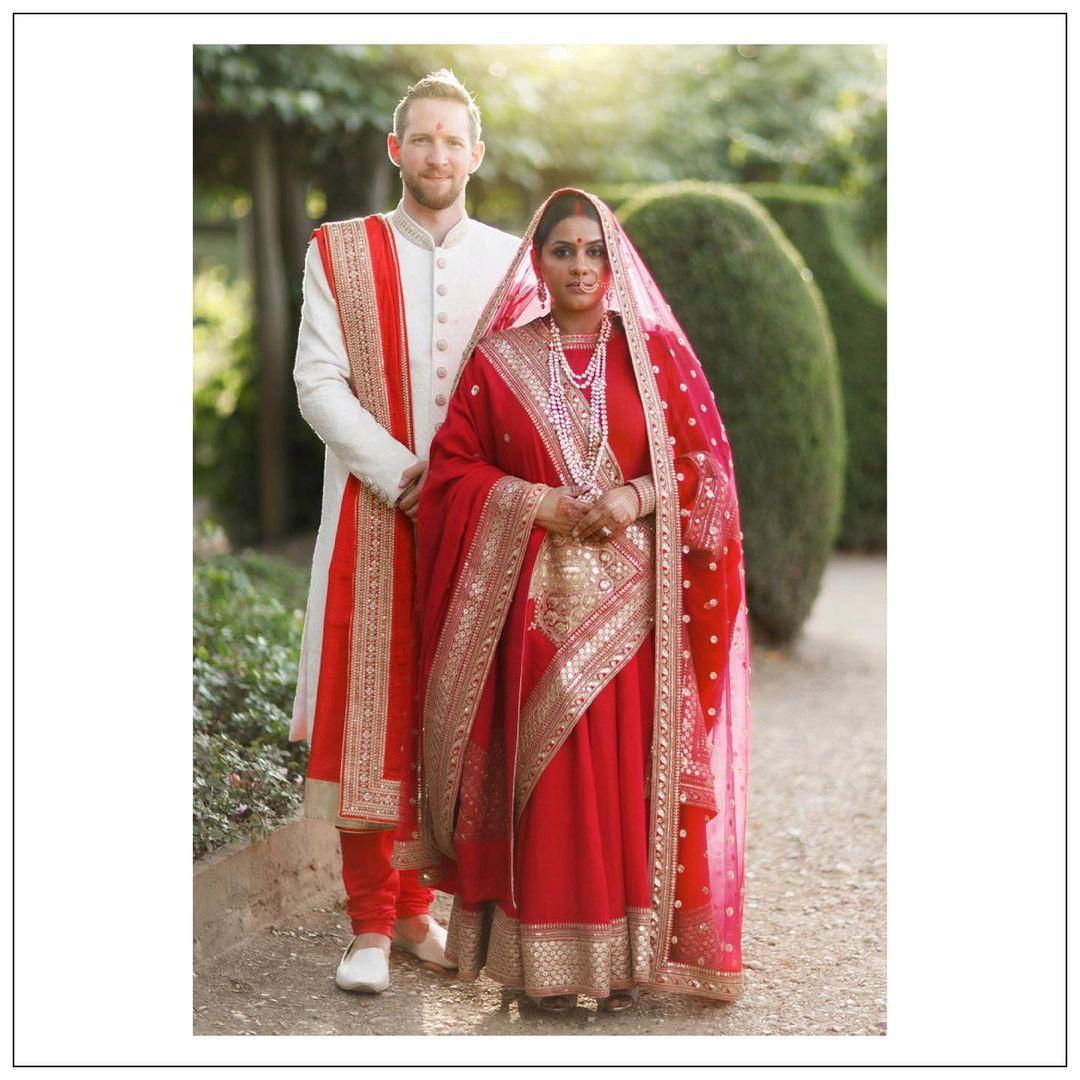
365, 969
432, 949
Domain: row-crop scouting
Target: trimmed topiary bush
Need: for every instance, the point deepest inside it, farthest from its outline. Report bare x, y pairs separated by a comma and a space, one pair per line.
760, 328
618, 195
822, 225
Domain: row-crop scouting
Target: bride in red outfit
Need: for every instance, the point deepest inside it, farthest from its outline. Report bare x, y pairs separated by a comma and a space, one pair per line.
584, 666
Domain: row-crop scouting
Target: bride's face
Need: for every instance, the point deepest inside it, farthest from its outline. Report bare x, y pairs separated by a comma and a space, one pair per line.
574, 265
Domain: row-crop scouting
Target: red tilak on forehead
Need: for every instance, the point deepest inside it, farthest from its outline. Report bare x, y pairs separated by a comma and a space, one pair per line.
438, 127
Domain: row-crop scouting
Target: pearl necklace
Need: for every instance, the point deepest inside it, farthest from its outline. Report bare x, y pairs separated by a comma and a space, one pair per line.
582, 471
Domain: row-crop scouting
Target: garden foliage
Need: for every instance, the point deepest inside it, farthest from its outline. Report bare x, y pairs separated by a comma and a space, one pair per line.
822, 225
248, 622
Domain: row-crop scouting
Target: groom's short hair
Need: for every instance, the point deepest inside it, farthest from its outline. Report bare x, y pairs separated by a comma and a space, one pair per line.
438, 84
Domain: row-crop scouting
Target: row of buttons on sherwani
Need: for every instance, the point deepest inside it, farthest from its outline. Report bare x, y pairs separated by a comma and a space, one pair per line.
431, 386
441, 343
456, 279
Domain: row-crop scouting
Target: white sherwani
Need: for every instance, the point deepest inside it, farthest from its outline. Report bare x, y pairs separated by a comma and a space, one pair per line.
445, 289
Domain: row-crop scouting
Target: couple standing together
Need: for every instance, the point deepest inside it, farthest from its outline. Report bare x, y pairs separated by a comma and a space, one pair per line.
524, 674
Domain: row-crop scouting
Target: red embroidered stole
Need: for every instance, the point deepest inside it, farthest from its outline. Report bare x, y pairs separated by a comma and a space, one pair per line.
367, 676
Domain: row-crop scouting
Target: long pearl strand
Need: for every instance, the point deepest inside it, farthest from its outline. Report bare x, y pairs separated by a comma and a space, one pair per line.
594, 378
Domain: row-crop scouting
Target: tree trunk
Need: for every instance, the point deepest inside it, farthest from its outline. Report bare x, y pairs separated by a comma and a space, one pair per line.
378, 168
295, 223
295, 227
359, 181
272, 332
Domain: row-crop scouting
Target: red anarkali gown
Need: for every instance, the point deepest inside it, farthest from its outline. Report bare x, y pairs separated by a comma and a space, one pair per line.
550, 828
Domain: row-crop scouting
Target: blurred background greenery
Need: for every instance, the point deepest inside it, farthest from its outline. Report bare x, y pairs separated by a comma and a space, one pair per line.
781, 287
290, 135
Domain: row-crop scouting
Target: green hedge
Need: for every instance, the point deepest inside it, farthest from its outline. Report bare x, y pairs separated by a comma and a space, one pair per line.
822, 225
248, 621
618, 195
761, 331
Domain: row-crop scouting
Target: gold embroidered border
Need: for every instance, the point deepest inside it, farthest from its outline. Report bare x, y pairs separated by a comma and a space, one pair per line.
551, 958
321, 802
412, 855
467, 643
365, 792
682, 979
467, 938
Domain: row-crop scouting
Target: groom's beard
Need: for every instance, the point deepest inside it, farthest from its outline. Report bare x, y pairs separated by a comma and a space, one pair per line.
427, 199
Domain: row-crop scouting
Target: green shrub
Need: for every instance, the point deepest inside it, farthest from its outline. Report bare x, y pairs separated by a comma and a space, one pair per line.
760, 329
226, 408
618, 195
248, 621
824, 228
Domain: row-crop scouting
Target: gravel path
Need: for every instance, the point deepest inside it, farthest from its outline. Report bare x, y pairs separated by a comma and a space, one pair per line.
815, 919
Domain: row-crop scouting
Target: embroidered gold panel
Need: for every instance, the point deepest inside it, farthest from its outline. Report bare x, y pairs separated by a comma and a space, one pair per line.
605, 624
571, 579
365, 793
466, 646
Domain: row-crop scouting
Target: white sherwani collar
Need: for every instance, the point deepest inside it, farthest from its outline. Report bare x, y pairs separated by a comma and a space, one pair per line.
413, 231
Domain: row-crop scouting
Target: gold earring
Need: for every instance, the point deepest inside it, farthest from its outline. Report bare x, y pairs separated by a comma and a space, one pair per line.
541, 291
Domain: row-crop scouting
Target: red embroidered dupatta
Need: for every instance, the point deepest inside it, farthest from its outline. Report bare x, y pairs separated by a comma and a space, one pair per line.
366, 694
480, 556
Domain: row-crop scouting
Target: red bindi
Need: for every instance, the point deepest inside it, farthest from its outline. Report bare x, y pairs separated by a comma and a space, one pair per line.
579, 239
438, 127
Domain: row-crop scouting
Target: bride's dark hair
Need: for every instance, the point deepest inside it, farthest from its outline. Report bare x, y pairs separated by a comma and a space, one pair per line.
568, 204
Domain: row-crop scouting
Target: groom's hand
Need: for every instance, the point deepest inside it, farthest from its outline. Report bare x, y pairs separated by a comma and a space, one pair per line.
412, 479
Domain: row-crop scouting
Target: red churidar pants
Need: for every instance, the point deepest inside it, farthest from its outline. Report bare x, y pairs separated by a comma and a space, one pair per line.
377, 893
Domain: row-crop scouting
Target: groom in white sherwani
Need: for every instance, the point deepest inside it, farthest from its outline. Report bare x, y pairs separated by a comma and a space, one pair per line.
390, 303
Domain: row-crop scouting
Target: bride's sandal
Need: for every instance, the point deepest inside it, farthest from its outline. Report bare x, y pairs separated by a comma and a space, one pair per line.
619, 1001
555, 1003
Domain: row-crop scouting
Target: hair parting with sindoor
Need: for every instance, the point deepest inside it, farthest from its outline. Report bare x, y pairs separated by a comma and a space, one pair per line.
563, 206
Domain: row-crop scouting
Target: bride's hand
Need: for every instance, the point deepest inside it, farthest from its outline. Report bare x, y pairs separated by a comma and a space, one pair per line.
613, 511
560, 510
